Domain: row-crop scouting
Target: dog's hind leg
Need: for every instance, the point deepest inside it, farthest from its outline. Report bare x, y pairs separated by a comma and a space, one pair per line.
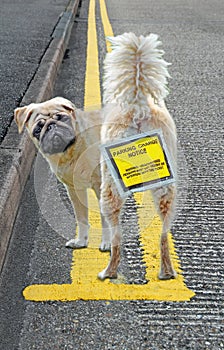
165, 201
111, 270
111, 204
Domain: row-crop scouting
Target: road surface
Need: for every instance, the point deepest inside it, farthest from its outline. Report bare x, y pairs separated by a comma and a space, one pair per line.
192, 36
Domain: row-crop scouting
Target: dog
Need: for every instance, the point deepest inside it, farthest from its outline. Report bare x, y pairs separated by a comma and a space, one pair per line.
135, 86
68, 139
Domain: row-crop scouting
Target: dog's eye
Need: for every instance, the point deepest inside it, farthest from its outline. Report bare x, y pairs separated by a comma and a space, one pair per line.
37, 130
58, 116
61, 117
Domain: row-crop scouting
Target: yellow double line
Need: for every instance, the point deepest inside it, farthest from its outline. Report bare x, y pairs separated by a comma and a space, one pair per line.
92, 99
88, 262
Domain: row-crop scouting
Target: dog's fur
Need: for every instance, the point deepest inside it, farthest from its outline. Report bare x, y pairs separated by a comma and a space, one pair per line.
69, 139
134, 90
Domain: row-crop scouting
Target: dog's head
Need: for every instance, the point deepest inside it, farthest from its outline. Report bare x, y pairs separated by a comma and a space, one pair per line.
50, 124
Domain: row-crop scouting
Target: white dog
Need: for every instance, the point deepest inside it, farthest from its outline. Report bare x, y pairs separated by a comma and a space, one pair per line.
69, 138
135, 85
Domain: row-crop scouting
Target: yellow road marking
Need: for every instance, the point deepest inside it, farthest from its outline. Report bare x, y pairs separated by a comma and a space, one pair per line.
92, 99
88, 262
108, 31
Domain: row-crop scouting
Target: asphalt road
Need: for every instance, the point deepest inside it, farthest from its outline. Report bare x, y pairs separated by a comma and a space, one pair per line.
25, 33
192, 36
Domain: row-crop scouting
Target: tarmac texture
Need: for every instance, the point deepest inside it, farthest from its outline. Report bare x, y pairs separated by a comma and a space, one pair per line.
192, 36
17, 153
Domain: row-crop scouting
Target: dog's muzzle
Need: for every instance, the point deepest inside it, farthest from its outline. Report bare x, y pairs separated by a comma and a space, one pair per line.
57, 137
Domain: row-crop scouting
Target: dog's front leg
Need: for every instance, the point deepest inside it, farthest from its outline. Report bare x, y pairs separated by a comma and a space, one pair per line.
80, 205
105, 245
111, 204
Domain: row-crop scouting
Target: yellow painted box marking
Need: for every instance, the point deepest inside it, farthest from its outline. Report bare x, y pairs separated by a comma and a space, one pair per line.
88, 262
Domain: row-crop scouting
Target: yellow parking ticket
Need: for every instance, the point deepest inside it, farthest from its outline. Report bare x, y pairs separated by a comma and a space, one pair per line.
139, 162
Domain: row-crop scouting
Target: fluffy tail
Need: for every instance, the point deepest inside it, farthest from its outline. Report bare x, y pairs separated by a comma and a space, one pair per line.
132, 71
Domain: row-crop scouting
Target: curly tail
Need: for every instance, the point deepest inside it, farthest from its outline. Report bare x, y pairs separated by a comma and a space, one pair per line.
134, 70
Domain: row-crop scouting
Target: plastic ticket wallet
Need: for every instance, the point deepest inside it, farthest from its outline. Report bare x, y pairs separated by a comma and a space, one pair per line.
139, 162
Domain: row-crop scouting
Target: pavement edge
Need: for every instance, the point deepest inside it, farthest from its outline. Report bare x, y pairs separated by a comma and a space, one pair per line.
19, 151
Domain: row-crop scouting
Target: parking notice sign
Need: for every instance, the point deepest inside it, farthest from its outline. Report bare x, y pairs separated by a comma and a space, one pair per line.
139, 162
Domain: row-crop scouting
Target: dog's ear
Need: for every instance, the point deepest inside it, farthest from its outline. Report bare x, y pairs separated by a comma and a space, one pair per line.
66, 104
71, 108
21, 116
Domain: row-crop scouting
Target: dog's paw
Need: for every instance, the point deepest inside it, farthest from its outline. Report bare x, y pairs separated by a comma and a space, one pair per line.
106, 274
76, 244
168, 275
105, 247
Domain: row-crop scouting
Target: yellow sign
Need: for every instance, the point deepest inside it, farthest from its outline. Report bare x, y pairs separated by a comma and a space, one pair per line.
139, 162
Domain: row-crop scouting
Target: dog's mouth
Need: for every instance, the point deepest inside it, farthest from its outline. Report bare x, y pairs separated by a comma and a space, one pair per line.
55, 135
69, 144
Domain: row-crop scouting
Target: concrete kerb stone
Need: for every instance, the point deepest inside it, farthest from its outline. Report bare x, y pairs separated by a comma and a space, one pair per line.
20, 151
